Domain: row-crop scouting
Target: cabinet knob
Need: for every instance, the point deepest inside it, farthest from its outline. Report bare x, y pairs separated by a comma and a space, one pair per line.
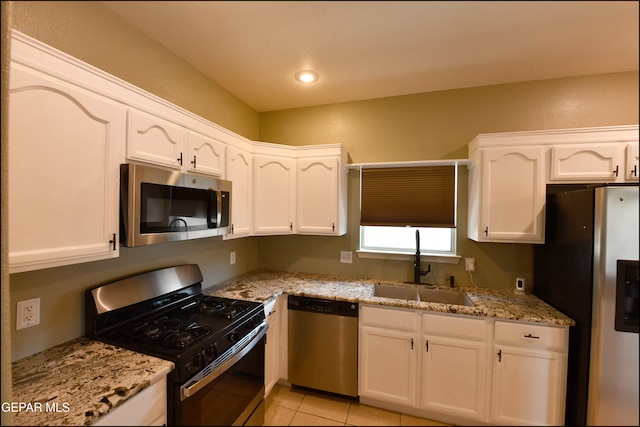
193, 162
179, 159
634, 171
486, 231
113, 241
615, 171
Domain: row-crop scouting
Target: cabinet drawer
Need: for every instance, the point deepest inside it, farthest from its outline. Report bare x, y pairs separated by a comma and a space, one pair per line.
454, 326
533, 335
389, 318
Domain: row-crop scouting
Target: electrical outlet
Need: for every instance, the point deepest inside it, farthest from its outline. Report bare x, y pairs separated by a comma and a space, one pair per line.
470, 264
345, 257
232, 257
28, 313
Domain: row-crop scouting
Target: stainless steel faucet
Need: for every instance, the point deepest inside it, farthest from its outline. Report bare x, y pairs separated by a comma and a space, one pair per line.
417, 271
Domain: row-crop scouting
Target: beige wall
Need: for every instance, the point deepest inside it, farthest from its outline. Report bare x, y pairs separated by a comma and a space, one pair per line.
425, 126
438, 125
92, 33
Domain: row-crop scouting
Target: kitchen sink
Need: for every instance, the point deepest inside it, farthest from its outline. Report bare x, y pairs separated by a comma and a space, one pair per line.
396, 292
444, 297
426, 295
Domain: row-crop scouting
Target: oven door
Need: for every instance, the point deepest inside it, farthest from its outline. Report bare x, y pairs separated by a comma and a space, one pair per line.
230, 394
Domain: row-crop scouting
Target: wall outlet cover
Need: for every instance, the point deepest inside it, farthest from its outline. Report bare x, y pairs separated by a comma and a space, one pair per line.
28, 313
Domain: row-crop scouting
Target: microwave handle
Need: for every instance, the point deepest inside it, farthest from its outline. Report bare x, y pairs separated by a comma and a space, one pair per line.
214, 209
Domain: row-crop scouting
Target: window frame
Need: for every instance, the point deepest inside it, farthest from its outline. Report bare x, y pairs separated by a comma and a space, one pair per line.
448, 257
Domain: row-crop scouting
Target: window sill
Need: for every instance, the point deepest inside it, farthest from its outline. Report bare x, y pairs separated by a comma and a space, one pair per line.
403, 256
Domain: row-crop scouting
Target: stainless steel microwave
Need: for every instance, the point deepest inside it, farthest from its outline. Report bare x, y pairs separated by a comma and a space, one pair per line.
159, 206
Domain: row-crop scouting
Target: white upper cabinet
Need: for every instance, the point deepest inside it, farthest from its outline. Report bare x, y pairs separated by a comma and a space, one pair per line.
509, 172
322, 194
204, 154
153, 140
239, 172
632, 169
587, 162
274, 193
65, 148
507, 195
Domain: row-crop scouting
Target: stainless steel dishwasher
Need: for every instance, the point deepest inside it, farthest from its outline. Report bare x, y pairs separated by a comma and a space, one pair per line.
323, 344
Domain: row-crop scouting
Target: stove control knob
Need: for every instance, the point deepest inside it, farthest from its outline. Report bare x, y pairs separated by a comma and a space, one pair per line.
233, 337
210, 352
198, 361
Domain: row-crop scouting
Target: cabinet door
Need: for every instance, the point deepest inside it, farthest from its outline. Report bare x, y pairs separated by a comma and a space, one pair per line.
632, 170
147, 408
204, 154
317, 196
64, 152
238, 171
153, 140
274, 194
513, 195
273, 346
388, 366
527, 387
586, 163
453, 376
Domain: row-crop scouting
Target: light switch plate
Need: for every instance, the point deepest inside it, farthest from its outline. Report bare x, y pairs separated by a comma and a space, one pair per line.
346, 257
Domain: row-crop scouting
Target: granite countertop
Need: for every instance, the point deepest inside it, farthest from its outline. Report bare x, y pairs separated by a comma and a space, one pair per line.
77, 382
263, 285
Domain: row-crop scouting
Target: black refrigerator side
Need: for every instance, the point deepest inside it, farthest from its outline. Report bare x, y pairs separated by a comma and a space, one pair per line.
563, 277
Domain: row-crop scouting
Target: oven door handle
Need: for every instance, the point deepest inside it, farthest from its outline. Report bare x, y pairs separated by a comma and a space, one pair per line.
204, 378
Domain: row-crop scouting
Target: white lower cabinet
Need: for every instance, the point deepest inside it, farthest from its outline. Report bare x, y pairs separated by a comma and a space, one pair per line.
439, 366
529, 378
147, 408
273, 312
454, 361
388, 360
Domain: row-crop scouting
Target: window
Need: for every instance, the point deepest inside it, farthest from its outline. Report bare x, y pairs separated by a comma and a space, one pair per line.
397, 201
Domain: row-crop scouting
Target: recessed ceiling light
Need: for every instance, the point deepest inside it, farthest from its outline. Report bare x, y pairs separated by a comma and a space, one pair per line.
307, 76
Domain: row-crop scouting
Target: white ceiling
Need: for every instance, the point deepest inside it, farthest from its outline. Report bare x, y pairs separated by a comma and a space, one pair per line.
373, 49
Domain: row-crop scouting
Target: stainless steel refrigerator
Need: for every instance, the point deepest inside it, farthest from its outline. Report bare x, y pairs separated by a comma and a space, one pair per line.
588, 269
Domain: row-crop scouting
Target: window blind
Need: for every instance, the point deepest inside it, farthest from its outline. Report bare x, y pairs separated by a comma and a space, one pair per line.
408, 196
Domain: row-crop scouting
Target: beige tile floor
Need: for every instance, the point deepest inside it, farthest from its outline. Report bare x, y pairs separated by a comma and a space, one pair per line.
294, 407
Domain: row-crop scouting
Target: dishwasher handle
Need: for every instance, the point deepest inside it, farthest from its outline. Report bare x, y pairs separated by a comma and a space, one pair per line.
323, 306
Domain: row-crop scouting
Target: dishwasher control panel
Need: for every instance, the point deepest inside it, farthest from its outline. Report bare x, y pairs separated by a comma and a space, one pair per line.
324, 306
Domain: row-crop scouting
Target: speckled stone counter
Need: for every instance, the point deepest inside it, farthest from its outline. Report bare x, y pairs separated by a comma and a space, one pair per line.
264, 285
77, 382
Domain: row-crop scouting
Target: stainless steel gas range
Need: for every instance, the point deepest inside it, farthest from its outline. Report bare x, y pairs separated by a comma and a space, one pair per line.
216, 344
